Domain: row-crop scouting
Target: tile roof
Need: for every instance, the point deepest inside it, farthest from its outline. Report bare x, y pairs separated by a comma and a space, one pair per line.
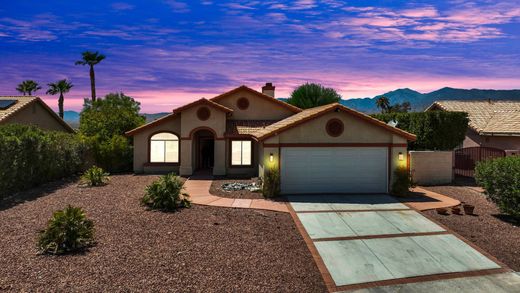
25, 101
311, 113
246, 127
487, 117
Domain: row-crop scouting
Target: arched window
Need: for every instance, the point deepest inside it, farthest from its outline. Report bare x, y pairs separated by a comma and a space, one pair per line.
164, 148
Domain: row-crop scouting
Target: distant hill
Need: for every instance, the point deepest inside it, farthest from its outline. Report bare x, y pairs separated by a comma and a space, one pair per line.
421, 101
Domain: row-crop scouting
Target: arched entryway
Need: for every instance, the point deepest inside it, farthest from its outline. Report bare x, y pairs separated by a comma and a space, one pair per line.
203, 149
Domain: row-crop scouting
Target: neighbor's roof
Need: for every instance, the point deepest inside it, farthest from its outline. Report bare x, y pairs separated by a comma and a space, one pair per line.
487, 117
315, 112
259, 94
246, 127
25, 101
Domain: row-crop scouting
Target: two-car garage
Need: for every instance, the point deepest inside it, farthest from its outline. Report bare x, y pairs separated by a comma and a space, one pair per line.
334, 170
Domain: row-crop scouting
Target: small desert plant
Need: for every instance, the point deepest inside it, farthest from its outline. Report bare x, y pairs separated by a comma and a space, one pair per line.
271, 183
402, 182
166, 194
95, 176
500, 178
68, 230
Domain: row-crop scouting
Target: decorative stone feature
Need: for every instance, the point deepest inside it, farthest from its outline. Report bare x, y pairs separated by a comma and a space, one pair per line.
236, 186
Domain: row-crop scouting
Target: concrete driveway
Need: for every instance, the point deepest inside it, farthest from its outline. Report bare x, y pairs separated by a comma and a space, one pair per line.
362, 241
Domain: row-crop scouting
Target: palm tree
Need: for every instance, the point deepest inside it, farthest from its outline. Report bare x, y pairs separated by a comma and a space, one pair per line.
28, 87
311, 95
62, 86
91, 58
383, 103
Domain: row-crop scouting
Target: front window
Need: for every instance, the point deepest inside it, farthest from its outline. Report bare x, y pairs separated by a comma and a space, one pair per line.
241, 153
164, 148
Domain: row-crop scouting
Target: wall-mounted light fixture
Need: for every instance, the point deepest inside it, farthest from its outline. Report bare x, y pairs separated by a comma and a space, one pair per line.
271, 157
401, 156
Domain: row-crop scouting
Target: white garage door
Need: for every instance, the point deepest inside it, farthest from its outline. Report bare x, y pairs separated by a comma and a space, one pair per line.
334, 170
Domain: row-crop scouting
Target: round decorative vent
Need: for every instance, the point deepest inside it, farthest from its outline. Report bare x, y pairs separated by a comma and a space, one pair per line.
243, 103
203, 113
334, 127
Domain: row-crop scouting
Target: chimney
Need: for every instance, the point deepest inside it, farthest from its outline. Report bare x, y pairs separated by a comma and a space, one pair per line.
268, 89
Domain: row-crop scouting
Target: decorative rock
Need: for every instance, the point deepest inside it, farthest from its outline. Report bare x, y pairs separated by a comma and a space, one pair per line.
236, 186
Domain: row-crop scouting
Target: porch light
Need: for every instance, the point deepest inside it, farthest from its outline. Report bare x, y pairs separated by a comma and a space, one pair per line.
401, 156
271, 157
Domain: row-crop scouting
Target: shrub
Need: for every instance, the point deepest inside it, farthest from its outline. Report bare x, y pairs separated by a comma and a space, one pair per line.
402, 182
31, 156
435, 130
500, 179
68, 230
95, 176
271, 183
166, 194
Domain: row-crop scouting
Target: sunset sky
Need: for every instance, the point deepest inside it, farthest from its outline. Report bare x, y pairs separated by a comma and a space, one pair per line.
167, 53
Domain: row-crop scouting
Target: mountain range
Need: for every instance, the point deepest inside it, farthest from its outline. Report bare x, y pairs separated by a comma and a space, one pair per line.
418, 101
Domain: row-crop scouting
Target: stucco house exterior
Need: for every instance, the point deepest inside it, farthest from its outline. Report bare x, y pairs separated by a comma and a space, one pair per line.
493, 124
32, 111
244, 132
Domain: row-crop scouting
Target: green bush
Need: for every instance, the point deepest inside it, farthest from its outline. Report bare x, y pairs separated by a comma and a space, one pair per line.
95, 176
68, 230
402, 182
435, 130
271, 183
30, 156
500, 178
166, 194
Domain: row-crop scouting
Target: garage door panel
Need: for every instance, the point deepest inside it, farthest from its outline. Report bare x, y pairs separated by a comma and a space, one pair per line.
338, 170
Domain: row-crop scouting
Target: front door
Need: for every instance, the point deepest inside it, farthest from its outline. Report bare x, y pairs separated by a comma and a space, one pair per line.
206, 153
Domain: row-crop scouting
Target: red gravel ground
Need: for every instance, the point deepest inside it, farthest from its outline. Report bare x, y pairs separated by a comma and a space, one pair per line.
216, 189
201, 249
489, 230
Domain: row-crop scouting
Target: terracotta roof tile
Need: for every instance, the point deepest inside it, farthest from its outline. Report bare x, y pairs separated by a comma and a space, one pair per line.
246, 127
487, 117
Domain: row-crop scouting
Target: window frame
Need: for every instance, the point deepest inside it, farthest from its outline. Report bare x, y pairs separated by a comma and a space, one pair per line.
231, 165
164, 163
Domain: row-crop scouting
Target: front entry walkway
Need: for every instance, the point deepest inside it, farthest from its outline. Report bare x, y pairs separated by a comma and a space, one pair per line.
198, 189
363, 241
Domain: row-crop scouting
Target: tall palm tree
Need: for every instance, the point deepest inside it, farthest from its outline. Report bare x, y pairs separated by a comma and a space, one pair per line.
311, 95
61, 86
28, 87
383, 103
91, 58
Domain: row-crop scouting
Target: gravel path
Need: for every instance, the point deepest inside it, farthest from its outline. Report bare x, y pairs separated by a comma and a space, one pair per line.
202, 249
489, 230
216, 189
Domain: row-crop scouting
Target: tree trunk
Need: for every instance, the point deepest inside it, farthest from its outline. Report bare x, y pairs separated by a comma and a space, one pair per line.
92, 83
60, 105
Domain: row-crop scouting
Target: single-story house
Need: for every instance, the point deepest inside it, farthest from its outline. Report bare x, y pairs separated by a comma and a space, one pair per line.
243, 132
30, 110
493, 124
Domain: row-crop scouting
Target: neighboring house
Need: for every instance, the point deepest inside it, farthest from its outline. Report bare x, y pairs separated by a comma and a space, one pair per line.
493, 124
30, 110
243, 132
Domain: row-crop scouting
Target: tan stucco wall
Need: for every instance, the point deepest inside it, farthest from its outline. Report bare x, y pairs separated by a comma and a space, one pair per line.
141, 144
355, 131
500, 142
431, 167
259, 108
36, 114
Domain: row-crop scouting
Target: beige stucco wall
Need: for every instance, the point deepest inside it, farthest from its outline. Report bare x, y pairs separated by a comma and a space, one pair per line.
36, 114
431, 167
259, 108
141, 145
500, 142
355, 131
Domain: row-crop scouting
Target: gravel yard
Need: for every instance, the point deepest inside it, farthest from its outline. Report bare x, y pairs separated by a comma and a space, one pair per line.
202, 249
489, 230
216, 189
